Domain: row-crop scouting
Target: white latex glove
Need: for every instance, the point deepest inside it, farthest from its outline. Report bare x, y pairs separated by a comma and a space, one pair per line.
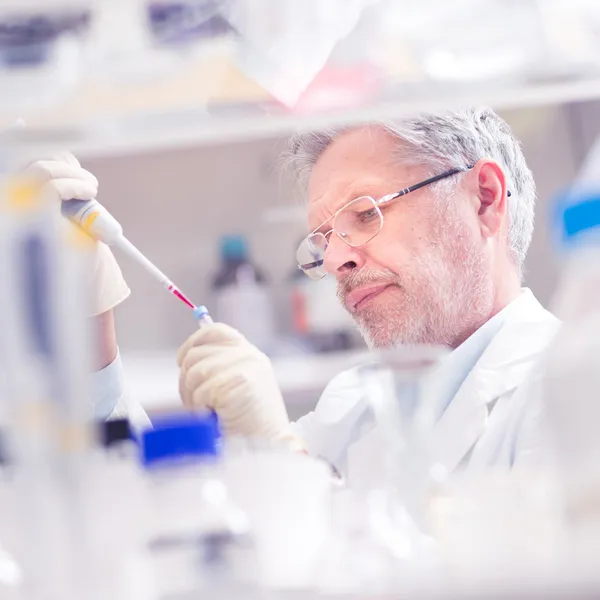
222, 371
63, 178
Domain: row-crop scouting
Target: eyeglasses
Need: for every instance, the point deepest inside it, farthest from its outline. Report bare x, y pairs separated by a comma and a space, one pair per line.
356, 223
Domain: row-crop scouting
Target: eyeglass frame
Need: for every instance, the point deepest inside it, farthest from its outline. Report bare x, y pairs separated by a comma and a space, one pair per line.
377, 204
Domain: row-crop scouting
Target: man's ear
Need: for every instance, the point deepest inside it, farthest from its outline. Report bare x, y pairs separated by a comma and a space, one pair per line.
490, 195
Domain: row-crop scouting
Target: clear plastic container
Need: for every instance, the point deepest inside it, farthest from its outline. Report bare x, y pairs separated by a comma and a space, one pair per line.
284, 43
573, 376
572, 379
287, 497
403, 399
381, 539
198, 539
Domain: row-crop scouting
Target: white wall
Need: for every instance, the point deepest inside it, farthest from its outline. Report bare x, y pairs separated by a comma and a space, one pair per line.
174, 205
550, 149
554, 149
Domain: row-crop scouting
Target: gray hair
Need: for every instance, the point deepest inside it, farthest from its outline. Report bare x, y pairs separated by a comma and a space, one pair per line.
456, 139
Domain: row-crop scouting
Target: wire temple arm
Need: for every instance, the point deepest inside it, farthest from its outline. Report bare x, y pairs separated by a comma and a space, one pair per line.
435, 178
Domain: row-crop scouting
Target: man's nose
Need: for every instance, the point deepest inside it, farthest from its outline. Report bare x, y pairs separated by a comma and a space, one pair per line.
340, 258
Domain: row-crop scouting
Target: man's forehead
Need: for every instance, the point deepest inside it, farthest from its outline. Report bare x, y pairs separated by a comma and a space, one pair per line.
359, 162
356, 152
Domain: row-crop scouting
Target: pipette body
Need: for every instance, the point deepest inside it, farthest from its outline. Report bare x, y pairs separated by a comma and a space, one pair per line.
94, 219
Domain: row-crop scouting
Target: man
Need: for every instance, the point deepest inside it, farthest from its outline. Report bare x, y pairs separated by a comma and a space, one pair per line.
433, 255
425, 224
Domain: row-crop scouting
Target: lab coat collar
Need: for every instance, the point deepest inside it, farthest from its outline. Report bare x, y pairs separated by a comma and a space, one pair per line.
447, 379
502, 367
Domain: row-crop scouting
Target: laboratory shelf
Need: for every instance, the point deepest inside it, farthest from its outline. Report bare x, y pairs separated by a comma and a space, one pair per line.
99, 136
317, 65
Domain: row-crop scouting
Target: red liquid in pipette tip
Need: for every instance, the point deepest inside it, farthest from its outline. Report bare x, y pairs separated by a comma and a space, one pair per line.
181, 296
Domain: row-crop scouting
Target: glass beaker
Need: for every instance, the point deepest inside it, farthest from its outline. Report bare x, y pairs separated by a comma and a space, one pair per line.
403, 396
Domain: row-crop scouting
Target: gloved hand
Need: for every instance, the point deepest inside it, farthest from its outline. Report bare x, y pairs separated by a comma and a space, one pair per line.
62, 178
222, 371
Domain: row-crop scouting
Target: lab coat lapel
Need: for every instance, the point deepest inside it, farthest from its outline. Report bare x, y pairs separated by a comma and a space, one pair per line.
502, 367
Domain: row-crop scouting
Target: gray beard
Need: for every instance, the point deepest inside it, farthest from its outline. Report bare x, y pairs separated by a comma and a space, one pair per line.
455, 298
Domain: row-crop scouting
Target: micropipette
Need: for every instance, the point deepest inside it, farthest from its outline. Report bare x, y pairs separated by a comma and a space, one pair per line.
126, 246
95, 220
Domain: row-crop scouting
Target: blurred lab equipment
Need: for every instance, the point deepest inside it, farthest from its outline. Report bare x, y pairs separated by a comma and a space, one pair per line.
286, 51
502, 526
286, 497
164, 37
46, 360
381, 540
198, 538
399, 387
40, 52
164, 72
572, 377
117, 435
241, 294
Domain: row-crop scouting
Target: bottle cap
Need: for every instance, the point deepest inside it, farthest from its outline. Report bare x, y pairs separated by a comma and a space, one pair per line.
234, 247
180, 436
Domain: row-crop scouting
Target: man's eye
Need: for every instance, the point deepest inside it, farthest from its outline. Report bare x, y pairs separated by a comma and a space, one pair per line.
367, 216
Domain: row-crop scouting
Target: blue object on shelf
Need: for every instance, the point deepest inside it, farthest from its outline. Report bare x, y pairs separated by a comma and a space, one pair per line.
577, 213
180, 436
234, 247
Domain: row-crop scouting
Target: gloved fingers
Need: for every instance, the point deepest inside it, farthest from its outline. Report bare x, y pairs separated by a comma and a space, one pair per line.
238, 405
263, 415
215, 334
195, 371
197, 354
217, 367
46, 170
197, 398
70, 189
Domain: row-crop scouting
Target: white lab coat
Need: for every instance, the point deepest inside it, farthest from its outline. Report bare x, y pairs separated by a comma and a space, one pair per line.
493, 420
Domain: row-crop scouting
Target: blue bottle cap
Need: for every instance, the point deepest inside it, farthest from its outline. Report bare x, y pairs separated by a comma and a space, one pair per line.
578, 215
179, 436
234, 247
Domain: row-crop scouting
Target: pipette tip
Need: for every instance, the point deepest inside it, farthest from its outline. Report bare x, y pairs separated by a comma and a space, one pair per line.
181, 296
